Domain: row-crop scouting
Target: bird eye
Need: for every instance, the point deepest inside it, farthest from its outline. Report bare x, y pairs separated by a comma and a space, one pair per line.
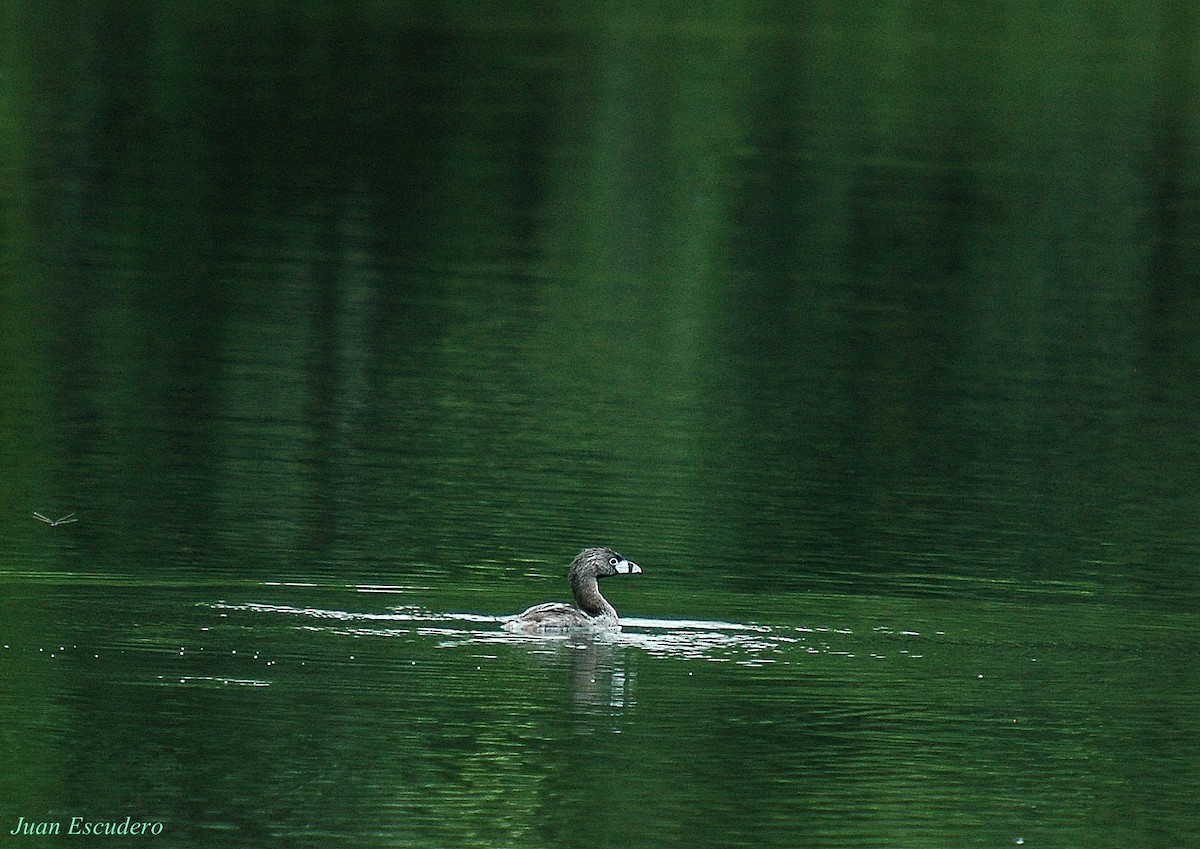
612, 561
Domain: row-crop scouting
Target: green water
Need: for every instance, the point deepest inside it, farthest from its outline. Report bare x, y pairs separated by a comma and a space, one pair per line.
868, 330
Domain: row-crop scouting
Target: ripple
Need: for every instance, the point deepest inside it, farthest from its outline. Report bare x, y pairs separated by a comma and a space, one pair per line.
400, 614
211, 681
746, 644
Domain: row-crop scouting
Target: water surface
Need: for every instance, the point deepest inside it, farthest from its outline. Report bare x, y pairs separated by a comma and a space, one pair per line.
869, 332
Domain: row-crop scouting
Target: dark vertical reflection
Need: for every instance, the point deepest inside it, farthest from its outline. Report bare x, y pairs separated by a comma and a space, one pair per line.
1173, 186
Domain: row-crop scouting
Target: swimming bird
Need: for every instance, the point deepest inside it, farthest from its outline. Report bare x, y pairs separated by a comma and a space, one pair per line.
592, 610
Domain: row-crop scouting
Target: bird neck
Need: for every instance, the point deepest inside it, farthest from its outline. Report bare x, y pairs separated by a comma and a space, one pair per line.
586, 591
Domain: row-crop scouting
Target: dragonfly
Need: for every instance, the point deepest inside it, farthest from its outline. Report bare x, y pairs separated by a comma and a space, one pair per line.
54, 523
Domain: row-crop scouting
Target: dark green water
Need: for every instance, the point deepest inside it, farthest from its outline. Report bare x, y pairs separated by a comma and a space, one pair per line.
869, 330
